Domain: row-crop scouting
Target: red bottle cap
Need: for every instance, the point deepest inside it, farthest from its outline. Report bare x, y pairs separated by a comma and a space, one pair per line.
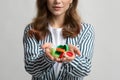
69, 53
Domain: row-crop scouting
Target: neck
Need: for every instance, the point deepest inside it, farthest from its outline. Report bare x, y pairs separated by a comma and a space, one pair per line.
57, 21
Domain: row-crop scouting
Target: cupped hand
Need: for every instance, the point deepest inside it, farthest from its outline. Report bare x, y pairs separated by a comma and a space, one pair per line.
75, 52
72, 48
47, 47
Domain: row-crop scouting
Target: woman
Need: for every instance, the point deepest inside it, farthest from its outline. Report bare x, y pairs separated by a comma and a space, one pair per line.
56, 23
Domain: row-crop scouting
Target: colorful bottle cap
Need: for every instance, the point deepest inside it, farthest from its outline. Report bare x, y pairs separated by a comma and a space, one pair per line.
69, 53
60, 51
53, 52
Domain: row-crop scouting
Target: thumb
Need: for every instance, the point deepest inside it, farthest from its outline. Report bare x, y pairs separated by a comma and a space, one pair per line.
46, 45
77, 51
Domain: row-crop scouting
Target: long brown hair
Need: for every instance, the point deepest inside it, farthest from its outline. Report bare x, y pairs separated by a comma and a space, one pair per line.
72, 24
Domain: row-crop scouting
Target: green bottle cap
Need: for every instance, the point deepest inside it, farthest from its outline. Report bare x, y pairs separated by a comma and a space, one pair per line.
66, 47
54, 53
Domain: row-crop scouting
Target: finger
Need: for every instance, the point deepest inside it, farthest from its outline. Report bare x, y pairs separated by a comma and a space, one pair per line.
48, 54
47, 45
64, 59
71, 49
77, 51
67, 59
44, 46
51, 57
57, 59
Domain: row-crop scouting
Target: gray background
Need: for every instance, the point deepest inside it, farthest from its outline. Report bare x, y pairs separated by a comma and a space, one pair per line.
104, 15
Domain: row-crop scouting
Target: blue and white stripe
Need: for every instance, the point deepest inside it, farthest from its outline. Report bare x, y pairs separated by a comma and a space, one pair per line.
41, 67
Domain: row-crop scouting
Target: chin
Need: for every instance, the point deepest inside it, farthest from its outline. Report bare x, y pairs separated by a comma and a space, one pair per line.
58, 14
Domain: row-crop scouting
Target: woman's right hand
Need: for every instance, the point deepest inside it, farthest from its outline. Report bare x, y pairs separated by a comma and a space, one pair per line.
47, 47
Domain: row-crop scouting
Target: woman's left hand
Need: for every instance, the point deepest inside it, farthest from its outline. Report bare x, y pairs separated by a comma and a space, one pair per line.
75, 52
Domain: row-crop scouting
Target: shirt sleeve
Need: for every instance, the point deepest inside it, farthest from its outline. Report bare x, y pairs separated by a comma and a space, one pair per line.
81, 65
36, 63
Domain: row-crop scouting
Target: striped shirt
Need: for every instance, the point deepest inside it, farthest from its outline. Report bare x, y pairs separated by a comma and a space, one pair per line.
41, 67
